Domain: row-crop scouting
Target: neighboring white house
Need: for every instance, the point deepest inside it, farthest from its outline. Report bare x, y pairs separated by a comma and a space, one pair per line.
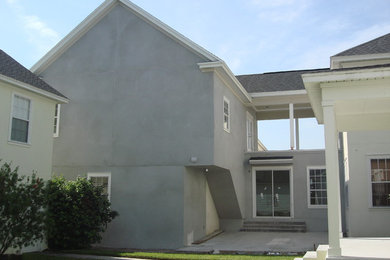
354, 98
27, 112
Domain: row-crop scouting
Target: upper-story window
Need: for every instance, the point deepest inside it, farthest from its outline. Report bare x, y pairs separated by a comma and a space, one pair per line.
20, 119
380, 181
226, 114
249, 132
57, 121
317, 192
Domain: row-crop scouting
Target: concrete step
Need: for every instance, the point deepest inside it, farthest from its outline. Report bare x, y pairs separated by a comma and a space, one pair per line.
322, 252
274, 226
310, 255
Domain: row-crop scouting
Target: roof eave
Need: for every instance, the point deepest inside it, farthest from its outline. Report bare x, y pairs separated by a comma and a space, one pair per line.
33, 89
231, 81
335, 61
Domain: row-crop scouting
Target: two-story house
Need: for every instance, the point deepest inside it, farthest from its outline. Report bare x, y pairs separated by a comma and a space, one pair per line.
171, 133
28, 108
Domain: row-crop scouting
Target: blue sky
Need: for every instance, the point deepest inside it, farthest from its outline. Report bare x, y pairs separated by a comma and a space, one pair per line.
251, 36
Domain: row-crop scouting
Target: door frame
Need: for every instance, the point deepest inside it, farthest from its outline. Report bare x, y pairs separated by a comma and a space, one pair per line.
272, 168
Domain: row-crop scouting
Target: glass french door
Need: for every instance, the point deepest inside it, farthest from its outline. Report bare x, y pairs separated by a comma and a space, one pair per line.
273, 193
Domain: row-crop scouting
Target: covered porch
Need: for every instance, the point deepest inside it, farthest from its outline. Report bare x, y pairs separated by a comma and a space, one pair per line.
349, 100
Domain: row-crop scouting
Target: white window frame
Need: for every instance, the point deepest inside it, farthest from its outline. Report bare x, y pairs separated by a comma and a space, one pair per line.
249, 132
57, 112
315, 167
370, 157
228, 115
102, 174
29, 119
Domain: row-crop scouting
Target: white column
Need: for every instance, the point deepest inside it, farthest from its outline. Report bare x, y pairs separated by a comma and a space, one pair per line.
297, 133
291, 113
332, 179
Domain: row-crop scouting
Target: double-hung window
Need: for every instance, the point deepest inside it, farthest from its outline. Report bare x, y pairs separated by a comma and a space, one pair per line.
103, 180
20, 119
380, 181
317, 194
226, 114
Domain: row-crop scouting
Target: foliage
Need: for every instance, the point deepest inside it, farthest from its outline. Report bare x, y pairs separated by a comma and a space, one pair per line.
77, 213
21, 213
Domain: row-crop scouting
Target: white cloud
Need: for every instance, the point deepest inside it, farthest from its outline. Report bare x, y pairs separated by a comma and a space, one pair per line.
38, 32
273, 3
34, 24
280, 10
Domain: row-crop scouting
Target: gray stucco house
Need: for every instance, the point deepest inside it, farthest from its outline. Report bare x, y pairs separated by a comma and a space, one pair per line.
171, 133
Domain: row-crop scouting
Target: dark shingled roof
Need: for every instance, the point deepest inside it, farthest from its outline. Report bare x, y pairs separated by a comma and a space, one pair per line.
378, 45
13, 69
275, 81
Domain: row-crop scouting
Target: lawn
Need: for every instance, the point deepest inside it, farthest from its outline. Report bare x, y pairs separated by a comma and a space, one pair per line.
162, 256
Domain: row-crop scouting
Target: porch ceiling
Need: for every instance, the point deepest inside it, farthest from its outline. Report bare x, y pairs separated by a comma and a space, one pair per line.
361, 98
275, 105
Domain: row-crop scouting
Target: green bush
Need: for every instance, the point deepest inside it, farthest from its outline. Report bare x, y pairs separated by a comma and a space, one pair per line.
21, 209
77, 213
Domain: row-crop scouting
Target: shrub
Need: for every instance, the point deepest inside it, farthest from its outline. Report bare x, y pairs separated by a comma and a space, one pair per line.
77, 213
21, 214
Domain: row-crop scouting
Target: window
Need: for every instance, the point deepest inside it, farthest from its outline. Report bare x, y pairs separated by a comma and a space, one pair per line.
317, 195
249, 132
226, 114
102, 179
20, 119
380, 181
57, 120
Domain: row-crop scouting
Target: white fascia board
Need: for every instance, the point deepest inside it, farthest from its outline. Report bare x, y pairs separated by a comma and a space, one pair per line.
347, 75
221, 68
279, 93
92, 19
169, 31
33, 89
336, 60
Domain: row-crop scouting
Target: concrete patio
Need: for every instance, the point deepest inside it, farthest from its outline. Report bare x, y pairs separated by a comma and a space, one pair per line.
261, 242
365, 248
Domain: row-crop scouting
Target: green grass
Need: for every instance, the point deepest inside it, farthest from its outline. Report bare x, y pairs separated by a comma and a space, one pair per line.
177, 256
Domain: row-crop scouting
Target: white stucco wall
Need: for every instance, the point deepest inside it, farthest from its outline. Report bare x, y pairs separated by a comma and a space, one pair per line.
363, 219
37, 155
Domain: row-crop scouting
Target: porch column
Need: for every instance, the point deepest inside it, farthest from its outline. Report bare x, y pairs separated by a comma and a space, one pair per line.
291, 114
297, 133
332, 179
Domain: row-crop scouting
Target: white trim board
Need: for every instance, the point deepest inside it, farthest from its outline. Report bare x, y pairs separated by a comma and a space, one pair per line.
33, 89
